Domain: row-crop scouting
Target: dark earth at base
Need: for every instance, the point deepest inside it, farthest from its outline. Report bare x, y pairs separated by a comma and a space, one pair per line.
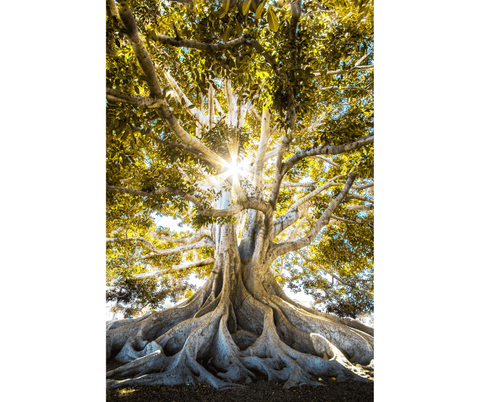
259, 390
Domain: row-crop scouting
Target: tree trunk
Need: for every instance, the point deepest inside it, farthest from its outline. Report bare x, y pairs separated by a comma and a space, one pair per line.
238, 325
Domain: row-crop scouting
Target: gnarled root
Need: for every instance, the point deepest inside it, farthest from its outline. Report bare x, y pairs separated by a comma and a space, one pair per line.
224, 337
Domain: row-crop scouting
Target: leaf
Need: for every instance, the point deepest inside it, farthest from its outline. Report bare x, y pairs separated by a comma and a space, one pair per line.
245, 6
238, 28
272, 19
259, 11
224, 9
226, 34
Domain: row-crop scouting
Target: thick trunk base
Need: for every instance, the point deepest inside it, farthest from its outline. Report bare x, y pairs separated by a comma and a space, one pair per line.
225, 335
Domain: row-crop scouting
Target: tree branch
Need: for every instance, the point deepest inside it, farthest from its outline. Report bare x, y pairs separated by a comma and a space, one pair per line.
327, 160
203, 232
341, 71
360, 207
157, 192
295, 211
308, 260
346, 89
137, 238
357, 197
213, 47
315, 192
231, 103
139, 49
211, 106
346, 220
258, 168
279, 170
140, 101
180, 267
196, 113
205, 242
280, 249
290, 184
327, 150
147, 66
248, 203
363, 186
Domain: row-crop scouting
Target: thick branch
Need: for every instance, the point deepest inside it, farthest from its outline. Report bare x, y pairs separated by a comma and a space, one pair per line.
118, 96
315, 192
148, 68
341, 71
192, 44
360, 207
345, 89
186, 138
137, 238
258, 168
157, 192
283, 248
231, 103
205, 242
327, 150
203, 232
295, 211
279, 170
262, 148
346, 220
289, 184
215, 47
328, 161
112, 8
248, 203
139, 48
180, 267
211, 106
196, 113
362, 186
357, 197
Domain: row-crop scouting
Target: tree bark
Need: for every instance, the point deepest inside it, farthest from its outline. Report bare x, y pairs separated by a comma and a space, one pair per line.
237, 325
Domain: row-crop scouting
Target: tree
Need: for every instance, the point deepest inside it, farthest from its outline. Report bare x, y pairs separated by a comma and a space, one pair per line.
253, 122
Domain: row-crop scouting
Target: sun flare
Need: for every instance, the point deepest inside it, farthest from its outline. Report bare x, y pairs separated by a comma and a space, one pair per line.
234, 170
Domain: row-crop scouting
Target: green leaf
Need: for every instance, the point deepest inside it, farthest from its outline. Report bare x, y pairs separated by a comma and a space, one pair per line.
245, 6
226, 34
259, 11
238, 28
224, 9
272, 20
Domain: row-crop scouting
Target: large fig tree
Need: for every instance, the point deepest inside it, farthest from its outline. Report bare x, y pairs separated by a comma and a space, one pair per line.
252, 122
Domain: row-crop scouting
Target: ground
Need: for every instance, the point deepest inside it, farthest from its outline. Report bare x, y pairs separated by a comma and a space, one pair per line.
259, 390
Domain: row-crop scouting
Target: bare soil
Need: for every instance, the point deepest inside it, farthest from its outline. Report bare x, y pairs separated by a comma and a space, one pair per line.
259, 390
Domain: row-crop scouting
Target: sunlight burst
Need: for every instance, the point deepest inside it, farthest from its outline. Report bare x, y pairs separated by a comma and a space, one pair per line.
234, 169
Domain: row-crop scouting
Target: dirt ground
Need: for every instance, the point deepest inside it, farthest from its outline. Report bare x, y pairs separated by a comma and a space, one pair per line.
259, 390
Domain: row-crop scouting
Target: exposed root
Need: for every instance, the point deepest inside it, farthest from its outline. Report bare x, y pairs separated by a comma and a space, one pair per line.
130, 337
155, 361
354, 344
272, 287
224, 338
269, 354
